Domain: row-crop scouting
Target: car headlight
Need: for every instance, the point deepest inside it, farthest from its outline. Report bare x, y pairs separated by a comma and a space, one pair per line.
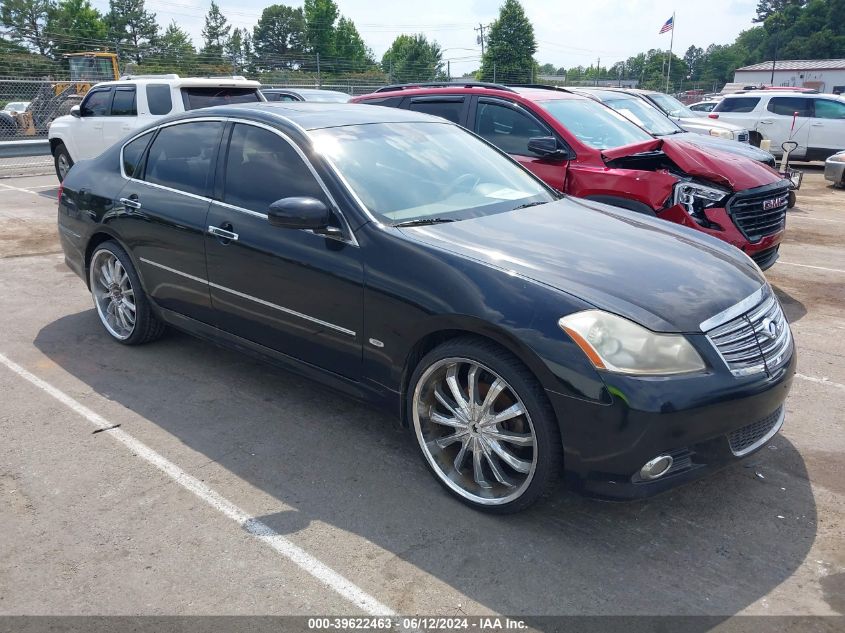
619, 345
721, 133
837, 158
695, 198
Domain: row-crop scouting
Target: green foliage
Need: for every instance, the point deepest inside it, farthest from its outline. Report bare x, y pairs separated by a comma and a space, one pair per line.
78, 19
174, 52
352, 53
413, 58
509, 56
320, 17
19, 60
28, 19
279, 37
215, 33
132, 27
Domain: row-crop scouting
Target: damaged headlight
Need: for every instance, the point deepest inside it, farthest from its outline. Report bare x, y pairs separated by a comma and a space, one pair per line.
721, 133
695, 198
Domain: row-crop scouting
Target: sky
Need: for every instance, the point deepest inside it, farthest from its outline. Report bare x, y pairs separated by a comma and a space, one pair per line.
568, 32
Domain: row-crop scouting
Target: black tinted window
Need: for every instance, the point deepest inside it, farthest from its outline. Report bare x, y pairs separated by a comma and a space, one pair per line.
132, 154
262, 167
827, 109
158, 99
449, 110
182, 156
124, 102
740, 104
788, 106
195, 98
506, 128
97, 103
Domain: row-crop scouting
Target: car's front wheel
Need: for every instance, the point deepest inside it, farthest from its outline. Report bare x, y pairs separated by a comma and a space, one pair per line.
121, 304
62, 161
484, 425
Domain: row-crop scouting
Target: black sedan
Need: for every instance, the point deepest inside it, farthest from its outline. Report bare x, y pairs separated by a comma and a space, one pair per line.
403, 260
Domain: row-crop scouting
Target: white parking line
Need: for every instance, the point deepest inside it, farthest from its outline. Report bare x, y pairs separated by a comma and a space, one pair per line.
830, 270
4, 187
256, 528
821, 381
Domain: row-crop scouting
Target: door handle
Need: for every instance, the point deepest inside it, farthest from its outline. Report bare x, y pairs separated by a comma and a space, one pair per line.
817, 124
131, 202
223, 234
765, 122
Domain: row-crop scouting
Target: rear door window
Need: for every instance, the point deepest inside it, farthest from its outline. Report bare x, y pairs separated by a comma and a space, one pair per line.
195, 98
827, 109
132, 153
739, 104
507, 128
97, 103
182, 156
158, 99
450, 109
788, 106
123, 103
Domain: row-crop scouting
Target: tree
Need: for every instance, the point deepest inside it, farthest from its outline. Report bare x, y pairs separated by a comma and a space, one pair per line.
215, 33
132, 26
279, 37
320, 17
28, 19
353, 54
78, 18
413, 58
239, 50
175, 50
765, 8
694, 58
509, 56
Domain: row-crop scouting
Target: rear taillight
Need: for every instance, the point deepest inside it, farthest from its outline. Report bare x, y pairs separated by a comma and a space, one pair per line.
61, 189
713, 116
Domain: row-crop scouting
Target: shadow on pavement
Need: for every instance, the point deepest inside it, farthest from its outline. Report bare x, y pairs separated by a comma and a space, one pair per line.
713, 547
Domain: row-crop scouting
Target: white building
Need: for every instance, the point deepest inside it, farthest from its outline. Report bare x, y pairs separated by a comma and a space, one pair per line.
825, 75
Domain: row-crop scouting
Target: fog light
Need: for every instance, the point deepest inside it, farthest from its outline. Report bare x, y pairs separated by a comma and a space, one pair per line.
656, 467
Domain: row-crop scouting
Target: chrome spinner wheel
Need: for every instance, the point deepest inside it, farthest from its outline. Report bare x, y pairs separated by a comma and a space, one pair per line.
474, 431
113, 294
62, 165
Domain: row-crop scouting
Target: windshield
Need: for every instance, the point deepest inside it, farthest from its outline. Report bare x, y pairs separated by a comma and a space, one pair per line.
594, 124
325, 96
404, 172
671, 106
195, 98
644, 115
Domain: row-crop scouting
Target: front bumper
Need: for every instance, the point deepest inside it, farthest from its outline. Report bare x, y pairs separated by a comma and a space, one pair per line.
834, 171
696, 419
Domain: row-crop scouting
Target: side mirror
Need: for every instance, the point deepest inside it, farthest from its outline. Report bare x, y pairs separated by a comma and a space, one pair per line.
299, 213
74, 111
547, 147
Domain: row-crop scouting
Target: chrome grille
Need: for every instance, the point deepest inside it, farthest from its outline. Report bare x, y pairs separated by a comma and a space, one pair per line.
742, 137
753, 219
752, 436
757, 340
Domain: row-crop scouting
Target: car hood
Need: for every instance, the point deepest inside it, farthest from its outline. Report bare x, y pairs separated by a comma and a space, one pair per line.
728, 170
724, 145
653, 272
706, 123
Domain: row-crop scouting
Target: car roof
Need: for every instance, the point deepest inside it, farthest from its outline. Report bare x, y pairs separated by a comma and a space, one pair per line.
529, 92
606, 93
304, 91
314, 116
185, 82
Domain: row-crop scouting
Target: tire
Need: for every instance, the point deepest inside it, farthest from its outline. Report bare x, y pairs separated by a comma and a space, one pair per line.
122, 306
62, 161
519, 470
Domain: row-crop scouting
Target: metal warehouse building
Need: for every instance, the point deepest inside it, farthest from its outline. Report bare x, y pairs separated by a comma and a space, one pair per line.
825, 75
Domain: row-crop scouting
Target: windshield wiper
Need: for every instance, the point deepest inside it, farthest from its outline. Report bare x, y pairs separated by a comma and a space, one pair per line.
530, 204
424, 221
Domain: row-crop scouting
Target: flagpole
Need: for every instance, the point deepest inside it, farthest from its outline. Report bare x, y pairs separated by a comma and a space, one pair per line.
671, 44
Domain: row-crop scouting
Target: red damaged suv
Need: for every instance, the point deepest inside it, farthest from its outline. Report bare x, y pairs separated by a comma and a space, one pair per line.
584, 148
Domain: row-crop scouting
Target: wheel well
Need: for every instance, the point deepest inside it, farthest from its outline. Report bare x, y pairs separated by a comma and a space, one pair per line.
423, 347
93, 243
755, 138
54, 143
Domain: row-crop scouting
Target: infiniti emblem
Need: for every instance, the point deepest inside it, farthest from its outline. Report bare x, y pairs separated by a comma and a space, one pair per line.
770, 329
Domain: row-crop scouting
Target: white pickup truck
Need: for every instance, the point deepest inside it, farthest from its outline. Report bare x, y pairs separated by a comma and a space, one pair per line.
112, 109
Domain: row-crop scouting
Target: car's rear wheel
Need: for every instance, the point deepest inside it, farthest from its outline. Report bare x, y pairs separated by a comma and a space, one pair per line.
62, 161
121, 304
484, 426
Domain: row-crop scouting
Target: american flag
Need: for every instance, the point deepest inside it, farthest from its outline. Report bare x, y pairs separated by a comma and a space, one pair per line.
670, 23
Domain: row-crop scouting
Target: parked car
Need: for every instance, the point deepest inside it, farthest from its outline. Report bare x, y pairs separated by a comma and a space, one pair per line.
834, 169
112, 109
816, 122
398, 258
688, 119
584, 148
655, 122
15, 107
305, 94
704, 106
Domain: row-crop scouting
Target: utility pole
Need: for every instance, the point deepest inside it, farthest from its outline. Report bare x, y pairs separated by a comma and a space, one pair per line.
774, 58
319, 81
480, 37
598, 70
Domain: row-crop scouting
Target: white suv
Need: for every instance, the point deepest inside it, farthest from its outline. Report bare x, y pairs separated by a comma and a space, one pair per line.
816, 122
112, 109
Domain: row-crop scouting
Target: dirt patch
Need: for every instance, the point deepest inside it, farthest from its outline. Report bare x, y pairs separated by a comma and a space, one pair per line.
817, 236
19, 238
